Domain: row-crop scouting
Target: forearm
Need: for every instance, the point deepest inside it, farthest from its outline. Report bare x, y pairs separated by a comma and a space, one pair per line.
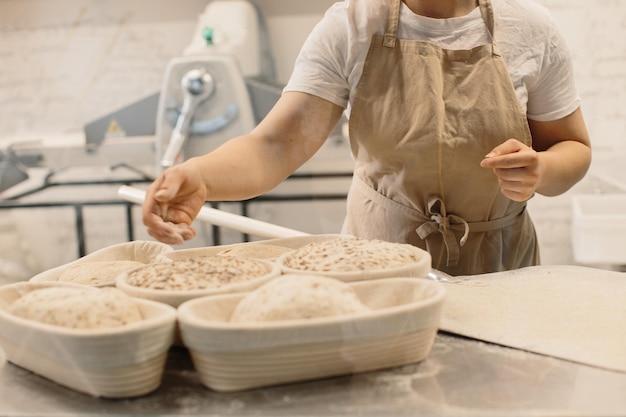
252, 164
563, 165
564, 151
242, 168
559, 157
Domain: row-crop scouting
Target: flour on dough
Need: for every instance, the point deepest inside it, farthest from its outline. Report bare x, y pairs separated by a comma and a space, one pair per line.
78, 308
350, 254
294, 297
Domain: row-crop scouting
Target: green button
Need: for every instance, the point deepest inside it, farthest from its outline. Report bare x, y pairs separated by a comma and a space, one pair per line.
207, 34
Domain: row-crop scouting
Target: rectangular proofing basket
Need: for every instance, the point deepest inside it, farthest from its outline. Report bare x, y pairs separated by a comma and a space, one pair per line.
120, 362
399, 330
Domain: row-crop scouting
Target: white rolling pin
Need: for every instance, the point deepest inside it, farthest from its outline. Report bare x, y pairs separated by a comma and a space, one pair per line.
221, 218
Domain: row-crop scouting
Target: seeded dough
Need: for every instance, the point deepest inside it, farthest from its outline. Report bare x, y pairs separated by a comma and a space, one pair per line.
347, 254
97, 272
78, 308
197, 273
292, 297
257, 251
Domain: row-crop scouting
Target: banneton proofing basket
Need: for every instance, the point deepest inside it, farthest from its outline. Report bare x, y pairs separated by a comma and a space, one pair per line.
237, 356
289, 243
119, 362
419, 269
138, 251
175, 298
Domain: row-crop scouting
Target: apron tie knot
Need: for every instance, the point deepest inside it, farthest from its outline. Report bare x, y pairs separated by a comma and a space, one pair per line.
440, 222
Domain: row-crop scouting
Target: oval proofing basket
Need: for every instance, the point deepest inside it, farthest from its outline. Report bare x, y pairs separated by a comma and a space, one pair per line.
418, 269
175, 298
399, 330
119, 362
138, 251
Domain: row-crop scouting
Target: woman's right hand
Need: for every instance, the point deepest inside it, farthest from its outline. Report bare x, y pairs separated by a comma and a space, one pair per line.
172, 202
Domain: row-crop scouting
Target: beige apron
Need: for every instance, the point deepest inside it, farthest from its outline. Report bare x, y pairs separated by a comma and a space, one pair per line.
422, 120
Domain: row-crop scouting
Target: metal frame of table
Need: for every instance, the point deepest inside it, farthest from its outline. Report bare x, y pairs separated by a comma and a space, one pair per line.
78, 205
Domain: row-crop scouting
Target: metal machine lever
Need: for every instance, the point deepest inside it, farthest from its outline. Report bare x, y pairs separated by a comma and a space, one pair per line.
207, 127
197, 85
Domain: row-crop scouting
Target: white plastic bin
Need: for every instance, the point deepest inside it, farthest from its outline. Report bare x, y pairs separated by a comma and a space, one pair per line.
599, 228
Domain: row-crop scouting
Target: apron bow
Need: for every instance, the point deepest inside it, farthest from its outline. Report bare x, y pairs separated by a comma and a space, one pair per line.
441, 222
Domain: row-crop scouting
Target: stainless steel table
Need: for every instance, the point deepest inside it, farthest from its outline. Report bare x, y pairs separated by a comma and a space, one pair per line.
461, 377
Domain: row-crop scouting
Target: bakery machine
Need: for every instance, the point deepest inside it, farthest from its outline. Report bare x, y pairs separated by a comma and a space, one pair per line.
220, 86
205, 98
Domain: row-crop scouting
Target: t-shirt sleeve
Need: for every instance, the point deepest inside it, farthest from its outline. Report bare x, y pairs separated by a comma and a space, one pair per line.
320, 68
552, 94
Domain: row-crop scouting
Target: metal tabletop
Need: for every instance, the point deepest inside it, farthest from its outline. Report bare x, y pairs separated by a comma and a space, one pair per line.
461, 377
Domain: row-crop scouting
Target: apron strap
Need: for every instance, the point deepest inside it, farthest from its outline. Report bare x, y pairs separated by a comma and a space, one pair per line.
486, 10
438, 220
391, 29
393, 19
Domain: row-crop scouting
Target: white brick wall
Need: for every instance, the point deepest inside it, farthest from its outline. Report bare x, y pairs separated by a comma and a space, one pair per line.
596, 32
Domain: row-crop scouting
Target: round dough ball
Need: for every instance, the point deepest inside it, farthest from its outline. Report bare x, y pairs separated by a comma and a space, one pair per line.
198, 273
97, 272
351, 254
294, 297
78, 308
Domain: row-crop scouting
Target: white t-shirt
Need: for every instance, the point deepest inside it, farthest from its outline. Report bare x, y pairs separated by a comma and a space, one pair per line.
330, 62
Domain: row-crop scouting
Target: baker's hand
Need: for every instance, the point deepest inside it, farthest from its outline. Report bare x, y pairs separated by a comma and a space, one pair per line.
517, 167
172, 202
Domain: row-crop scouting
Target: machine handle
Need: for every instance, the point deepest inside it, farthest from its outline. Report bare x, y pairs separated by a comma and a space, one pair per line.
197, 85
172, 151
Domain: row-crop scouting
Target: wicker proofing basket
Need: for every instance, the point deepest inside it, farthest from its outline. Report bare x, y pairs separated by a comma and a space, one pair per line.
175, 298
289, 243
418, 269
138, 251
119, 362
238, 356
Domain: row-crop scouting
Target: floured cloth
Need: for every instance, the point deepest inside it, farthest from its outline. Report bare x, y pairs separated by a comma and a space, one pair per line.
568, 312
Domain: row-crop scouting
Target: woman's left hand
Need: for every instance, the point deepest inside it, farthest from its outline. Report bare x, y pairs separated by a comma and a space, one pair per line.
517, 167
